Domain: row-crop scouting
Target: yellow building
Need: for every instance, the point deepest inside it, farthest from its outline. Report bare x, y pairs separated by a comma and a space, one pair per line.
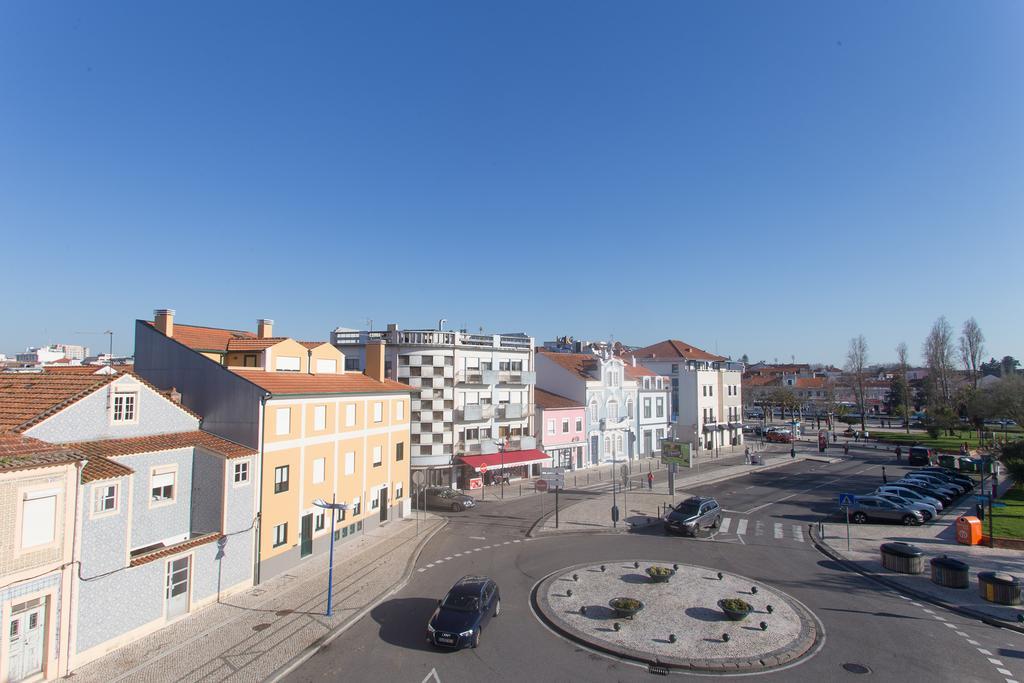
321, 432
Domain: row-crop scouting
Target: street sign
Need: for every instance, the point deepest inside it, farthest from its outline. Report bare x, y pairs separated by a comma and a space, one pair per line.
541, 485
675, 451
847, 499
482, 468
417, 477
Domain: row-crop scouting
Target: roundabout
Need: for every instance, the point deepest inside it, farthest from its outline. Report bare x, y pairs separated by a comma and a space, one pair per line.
698, 619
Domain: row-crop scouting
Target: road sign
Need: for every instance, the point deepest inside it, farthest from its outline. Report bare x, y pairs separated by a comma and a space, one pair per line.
675, 451
541, 485
847, 499
482, 468
417, 477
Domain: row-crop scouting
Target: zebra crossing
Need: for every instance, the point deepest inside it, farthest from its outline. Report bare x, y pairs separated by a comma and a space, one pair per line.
742, 529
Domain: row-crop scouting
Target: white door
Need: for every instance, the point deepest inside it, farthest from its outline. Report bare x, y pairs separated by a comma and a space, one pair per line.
177, 587
26, 634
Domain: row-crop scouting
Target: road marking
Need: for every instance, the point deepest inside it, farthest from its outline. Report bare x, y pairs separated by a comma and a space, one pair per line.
448, 558
798, 533
748, 488
777, 531
458, 554
960, 633
516, 541
1005, 672
438, 561
984, 652
421, 569
973, 642
741, 527
478, 538
506, 542
995, 661
916, 604
486, 547
949, 625
904, 597
725, 524
759, 528
936, 616
929, 611
430, 565
432, 674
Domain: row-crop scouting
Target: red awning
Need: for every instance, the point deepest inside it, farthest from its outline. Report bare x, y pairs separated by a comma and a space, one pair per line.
493, 461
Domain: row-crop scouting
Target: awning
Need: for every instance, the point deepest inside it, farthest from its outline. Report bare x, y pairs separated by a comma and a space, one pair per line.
494, 461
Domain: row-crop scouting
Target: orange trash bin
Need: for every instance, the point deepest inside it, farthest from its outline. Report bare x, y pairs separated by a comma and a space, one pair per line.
968, 530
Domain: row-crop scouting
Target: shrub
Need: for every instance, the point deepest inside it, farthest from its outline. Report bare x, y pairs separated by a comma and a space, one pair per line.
659, 571
736, 605
626, 603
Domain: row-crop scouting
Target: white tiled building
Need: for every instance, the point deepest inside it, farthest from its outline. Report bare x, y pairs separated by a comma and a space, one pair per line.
653, 407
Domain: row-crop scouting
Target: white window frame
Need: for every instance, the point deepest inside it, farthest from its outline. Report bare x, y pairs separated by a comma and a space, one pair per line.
565, 425
319, 418
286, 364
319, 520
612, 410
378, 411
357, 507
326, 366
122, 402
579, 424
242, 468
283, 422
280, 535
659, 407
378, 456
163, 471
350, 463
100, 494
398, 490
551, 426
282, 475
319, 470
24, 518
351, 415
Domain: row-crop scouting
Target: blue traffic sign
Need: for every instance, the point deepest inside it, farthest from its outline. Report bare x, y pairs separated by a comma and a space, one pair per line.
847, 499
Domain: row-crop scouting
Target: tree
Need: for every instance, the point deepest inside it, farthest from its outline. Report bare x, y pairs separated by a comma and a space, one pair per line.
1008, 366
856, 365
938, 355
992, 367
972, 347
745, 359
1007, 399
901, 358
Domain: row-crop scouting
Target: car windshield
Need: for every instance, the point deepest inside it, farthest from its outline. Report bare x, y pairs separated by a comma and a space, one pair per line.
445, 493
688, 509
462, 602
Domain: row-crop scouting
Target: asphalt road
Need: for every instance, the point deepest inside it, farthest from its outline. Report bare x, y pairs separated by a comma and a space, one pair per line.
866, 625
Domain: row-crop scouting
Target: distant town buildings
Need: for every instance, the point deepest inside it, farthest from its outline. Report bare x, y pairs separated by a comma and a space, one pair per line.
53, 353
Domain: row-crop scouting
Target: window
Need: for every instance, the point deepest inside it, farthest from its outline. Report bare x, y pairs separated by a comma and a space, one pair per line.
249, 360
659, 408
647, 407
38, 518
341, 514
517, 366
162, 486
618, 444
241, 474
319, 418
350, 462
318, 522
327, 365
287, 364
703, 390
579, 424
399, 410
351, 364
565, 425
280, 534
319, 467
374, 502
377, 456
675, 368
124, 406
629, 408
551, 426
350, 415
613, 410
647, 382
106, 499
281, 479
378, 411
711, 390
593, 410
398, 490
284, 421
356, 507
400, 451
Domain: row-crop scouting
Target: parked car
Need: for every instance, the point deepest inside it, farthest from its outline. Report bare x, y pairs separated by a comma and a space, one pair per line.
926, 489
953, 489
929, 511
445, 498
920, 455
461, 615
906, 492
876, 508
693, 514
943, 478
952, 474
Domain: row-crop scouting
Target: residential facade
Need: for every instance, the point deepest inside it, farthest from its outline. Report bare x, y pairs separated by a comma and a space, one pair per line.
561, 430
653, 403
321, 432
472, 395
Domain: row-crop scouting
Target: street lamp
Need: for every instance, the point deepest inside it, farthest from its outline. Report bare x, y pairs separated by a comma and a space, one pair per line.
332, 506
501, 474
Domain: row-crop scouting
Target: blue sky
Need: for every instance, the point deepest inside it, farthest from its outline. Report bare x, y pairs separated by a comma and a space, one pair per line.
760, 178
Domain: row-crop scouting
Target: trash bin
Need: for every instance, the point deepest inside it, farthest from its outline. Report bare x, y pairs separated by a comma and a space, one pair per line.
950, 573
968, 530
948, 461
1000, 587
902, 557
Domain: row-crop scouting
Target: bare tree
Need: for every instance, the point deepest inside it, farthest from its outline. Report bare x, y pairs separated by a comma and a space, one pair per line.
972, 349
901, 357
938, 356
856, 365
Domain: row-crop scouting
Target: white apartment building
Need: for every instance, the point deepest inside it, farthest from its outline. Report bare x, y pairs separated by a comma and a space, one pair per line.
707, 396
472, 396
653, 407
51, 353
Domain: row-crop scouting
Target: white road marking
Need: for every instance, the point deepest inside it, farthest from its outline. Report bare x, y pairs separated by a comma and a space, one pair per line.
916, 604
984, 652
995, 661
904, 597
777, 531
929, 611
486, 547
960, 633
949, 625
1005, 672
741, 527
448, 558
430, 565
506, 542
438, 561
936, 616
432, 674
478, 538
798, 533
726, 523
973, 642
421, 569
1010, 680
458, 554
516, 541
759, 528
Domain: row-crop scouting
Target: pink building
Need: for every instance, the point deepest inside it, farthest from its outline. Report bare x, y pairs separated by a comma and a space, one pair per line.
561, 430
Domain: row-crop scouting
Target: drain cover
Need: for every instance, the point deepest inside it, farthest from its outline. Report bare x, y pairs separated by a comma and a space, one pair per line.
855, 668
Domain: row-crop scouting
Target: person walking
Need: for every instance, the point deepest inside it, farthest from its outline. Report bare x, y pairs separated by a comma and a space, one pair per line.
846, 448
899, 454
884, 480
746, 455
650, 481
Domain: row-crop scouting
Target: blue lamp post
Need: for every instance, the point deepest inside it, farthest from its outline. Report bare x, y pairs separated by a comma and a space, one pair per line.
332, 506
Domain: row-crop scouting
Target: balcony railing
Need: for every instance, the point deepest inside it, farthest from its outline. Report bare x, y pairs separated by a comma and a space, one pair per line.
512, 411
487, 377
476, 412
517, 377
434, 338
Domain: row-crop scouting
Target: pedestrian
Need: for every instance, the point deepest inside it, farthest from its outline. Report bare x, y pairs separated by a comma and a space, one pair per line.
884, 480
746, 455
650, 481
899, 454
846, 448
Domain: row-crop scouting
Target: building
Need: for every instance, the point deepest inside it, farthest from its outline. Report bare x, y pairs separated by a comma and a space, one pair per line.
707, 395
561, 430
321, 432
472, 395
166, 511
54, 352
38, 484
598, 381
653, 419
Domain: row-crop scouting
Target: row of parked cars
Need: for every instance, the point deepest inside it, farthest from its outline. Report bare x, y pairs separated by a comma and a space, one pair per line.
915, 499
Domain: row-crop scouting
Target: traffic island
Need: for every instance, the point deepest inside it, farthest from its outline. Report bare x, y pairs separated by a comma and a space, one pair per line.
681, 623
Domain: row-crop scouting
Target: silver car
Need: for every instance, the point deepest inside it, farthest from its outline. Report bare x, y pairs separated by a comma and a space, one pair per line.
904, 492
876, 508
927, 510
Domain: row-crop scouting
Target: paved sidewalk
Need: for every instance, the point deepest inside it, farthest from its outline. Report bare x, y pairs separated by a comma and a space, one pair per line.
935, 539
251, 635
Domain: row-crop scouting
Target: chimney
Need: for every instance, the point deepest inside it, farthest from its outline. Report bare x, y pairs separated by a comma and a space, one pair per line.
163, 320
264, 328
174, 395
392, 327
375, 360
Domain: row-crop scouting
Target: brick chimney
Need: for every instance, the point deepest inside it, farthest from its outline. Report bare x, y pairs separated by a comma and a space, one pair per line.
174, 395
375, 360
264, 328
163, 320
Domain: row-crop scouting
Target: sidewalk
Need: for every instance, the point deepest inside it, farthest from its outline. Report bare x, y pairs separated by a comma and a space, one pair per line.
250, 636
935, 539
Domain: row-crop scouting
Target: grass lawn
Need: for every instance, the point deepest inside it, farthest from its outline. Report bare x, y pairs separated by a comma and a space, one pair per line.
1008, 522
944, 442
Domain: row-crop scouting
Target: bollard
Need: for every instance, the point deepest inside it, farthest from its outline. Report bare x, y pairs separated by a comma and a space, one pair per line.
520, 490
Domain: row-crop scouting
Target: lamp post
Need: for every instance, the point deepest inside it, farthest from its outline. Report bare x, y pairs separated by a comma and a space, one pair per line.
332, 506
501, 474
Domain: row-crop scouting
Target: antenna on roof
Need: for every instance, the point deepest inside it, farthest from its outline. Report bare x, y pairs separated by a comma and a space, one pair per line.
110, 358
369, 323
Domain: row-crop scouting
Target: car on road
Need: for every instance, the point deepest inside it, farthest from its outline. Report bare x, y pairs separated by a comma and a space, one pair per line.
929, 511
445, 498
920, 455
693, 514
461, 615
910, 494
876, 508
925, 488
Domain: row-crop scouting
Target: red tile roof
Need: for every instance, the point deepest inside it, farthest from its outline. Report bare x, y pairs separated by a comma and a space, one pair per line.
289, 383
811, 382
761, 381
253, 344
206, 338
581, 364
548, 401
634, 371
19, 452
313, 344
28, 398
673, 348
494, 461
174, 549
162, 442
98, 469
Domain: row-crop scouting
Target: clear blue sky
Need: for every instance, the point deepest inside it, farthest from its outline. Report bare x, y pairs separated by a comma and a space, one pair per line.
760, 178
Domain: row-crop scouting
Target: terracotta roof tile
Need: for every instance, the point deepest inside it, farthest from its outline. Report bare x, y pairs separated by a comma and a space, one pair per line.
811, 382
19, 452
253, 344
634, 371
761, 381
549, 401
673, 348
29, 398
98, 469
206, 338
581, 364
107, 448
313, 344
285, 383
167, 551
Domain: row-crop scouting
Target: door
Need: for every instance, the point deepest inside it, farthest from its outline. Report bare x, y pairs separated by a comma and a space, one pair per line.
595, 447
306, 538
178, 576
27, 629
383, 504
647, 442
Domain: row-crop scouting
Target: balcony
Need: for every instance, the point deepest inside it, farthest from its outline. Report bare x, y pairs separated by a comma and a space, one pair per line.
512, 411
517, 377
616, 423
482, 377
475, 412
522, 443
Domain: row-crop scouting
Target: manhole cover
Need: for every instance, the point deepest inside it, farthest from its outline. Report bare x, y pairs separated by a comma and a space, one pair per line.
260, 627
855, 668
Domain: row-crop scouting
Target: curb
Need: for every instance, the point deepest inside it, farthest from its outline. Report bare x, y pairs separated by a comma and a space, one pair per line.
827, 550
324, 640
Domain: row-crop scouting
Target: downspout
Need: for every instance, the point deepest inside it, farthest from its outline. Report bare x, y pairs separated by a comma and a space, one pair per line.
259, 513
71, 589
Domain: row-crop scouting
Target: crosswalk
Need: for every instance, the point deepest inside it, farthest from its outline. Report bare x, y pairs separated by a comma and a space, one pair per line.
740, 529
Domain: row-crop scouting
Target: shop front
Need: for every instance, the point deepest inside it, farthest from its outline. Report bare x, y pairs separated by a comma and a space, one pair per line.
493, 468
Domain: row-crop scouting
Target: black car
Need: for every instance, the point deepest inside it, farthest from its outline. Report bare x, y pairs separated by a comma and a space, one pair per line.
692, 514
462, 614
951, 474
919, 455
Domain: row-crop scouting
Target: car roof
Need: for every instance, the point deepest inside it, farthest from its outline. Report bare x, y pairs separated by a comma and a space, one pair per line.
699, 500
470, 584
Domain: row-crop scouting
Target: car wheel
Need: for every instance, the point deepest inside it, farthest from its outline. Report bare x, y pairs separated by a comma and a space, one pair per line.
497, 607
476, 638
715, 524
859, 518
910, 520
456, 507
